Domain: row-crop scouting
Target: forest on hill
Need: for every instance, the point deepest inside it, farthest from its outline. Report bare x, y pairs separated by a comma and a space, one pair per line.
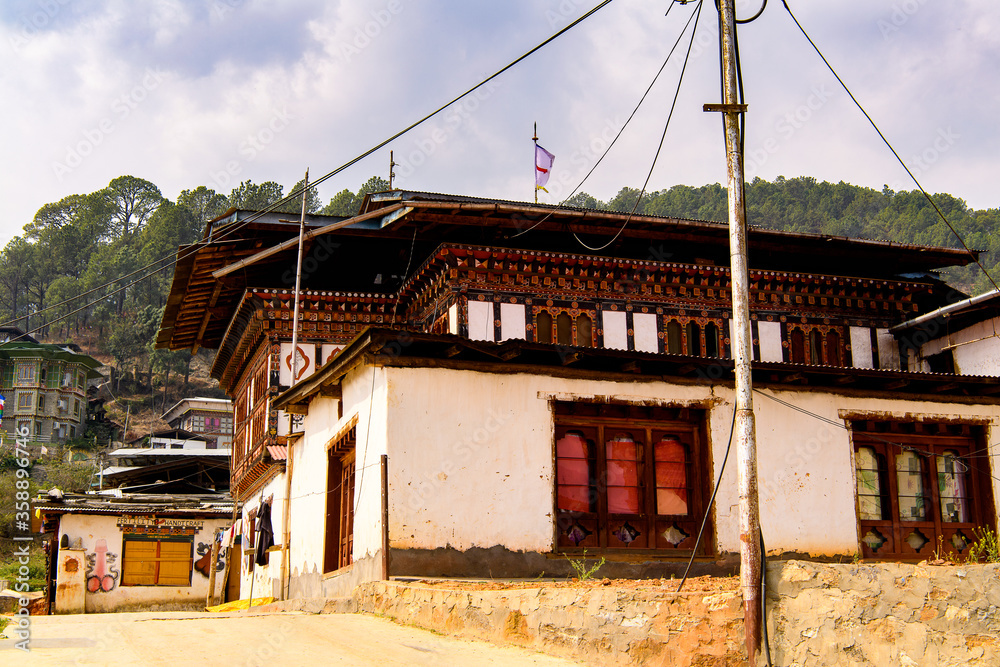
88, 246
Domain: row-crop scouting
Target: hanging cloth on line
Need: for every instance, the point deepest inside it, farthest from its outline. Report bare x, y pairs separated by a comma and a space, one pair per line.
265, 534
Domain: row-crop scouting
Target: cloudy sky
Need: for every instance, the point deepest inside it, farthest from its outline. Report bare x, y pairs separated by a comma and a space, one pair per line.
212, 92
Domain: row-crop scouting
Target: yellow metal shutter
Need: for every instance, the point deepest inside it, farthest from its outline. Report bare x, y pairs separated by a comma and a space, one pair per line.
139, 563
175, 564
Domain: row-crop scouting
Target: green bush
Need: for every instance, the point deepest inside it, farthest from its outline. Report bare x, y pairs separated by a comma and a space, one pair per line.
36, 570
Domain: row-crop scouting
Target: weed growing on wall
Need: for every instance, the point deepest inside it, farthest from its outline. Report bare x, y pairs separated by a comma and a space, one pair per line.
986, 548
582, 572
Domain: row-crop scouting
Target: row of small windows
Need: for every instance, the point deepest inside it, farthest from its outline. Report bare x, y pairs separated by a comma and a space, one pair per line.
798, 343
53, 377
571, 327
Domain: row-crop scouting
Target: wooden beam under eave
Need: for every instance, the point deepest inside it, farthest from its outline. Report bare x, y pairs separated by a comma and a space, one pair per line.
331, 391
845, 379
297, 408
511, 352
293, 242
896, 384
570, 358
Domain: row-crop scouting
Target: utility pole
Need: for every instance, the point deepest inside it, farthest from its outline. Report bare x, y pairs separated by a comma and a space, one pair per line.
298, 284
750, 552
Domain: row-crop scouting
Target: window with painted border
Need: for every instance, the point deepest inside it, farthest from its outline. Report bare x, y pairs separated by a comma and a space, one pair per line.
25, 373
921, 488
630, 478
154, 560
815, 345
564, 326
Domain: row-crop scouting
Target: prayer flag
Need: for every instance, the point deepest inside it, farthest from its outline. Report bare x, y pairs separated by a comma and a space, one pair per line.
543, 166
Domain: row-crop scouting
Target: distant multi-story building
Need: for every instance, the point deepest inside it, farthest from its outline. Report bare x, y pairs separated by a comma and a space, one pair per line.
211, 418
45, 387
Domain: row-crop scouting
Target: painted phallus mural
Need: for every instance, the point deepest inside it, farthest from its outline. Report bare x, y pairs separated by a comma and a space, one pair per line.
102, 576
202, 565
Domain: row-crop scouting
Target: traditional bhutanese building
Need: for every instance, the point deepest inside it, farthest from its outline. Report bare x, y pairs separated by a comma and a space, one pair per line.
45, 387
485, 387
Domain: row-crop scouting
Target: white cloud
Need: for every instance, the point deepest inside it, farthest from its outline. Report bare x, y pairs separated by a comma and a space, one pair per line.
275, 87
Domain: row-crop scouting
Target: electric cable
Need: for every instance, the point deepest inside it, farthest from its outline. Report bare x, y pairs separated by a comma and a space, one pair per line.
298, 192
843, 85
659, 148
711, 501
622, 129
885, 441
755, 16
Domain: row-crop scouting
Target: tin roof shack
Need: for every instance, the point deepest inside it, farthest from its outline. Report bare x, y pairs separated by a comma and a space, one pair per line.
958, 338
134, 552
535, 398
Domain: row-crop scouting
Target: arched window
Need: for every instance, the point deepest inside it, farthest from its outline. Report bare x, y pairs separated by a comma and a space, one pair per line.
798, 346
952, 486
675, 337
693, 339
815, 347
623, 459
913, 496
543, 327
671, 476
574, 454
833, 356
711, 340
564, 329
584, 331
873, 505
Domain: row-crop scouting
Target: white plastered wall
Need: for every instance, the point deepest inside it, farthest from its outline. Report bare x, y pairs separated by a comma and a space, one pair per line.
91, 528
366, 400
976, 349
266, 578
471, 463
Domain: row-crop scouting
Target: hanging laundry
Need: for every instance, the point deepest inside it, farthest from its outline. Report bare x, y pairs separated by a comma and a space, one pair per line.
265, 534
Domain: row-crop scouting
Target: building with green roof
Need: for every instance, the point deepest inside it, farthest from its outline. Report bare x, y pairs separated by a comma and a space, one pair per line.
45, 387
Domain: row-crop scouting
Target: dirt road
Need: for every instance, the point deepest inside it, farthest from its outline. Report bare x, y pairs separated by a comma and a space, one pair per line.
238, 640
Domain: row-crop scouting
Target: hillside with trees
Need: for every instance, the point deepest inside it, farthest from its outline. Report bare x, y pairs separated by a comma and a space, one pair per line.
88, 246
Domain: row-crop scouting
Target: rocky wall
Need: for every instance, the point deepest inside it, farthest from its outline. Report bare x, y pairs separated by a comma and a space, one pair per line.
883, 614
599, 625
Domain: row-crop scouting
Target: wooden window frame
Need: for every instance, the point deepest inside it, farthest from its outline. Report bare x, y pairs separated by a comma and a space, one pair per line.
24, 374
602, 530
574, 315
943, 537
839, 358
685, 344
338, 549
129, 576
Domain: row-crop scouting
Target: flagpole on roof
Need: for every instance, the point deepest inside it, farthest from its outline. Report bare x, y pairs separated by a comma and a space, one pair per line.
534, 153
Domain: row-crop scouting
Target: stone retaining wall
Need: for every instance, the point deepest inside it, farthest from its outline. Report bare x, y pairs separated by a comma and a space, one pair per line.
884, 614
599, 626
819, 615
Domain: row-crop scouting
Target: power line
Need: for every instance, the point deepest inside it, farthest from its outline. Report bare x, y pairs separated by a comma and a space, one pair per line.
298, 192
886, 142
627, 120
663, 136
